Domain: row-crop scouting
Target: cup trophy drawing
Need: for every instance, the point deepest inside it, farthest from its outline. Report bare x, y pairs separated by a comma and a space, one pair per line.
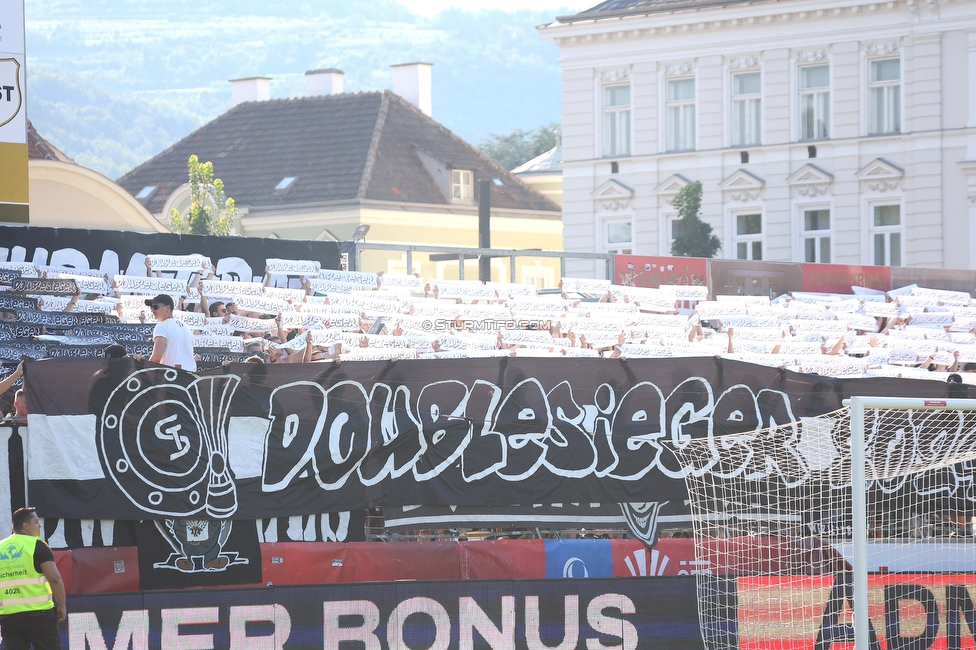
163, 441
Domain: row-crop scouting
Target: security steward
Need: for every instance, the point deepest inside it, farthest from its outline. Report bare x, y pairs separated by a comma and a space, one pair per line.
31, 591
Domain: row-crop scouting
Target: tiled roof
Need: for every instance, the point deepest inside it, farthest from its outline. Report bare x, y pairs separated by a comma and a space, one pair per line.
628, 7
339, 148
40, 149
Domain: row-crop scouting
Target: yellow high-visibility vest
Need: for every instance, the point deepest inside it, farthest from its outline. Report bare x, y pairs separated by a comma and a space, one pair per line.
22, 589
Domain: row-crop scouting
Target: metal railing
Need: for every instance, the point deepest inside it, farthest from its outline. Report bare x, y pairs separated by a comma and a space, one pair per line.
464, 253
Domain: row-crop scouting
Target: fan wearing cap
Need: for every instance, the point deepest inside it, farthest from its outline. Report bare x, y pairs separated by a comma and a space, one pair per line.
172, 340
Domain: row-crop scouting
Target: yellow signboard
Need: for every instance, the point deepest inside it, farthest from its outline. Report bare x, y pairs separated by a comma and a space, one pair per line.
13, 114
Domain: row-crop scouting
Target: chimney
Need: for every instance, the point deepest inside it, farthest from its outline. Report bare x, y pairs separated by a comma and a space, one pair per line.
323, 82
412, 82
250, 89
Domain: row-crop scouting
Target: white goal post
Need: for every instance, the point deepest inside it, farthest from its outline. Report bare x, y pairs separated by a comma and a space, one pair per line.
879, 496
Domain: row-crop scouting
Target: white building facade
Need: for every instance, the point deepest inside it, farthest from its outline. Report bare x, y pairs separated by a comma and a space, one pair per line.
838, 131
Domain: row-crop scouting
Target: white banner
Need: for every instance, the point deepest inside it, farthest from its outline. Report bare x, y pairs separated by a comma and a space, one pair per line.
149, 285
221, 288
178, 262
292, 267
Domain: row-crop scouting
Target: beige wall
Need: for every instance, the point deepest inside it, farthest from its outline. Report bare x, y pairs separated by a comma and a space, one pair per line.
65, 195
434, 228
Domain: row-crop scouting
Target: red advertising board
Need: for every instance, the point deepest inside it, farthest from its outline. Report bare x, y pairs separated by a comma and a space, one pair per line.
923, 611
669, 557
652, 272
838, 278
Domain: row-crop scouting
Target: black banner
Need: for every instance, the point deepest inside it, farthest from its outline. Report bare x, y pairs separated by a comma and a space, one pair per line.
45, 286
258, 441
136, 348
7, 276
647, 613
181, 552
15, 351
49, 319
119, 332
219, 355
11, 301
95, 351
113, 252
21, 330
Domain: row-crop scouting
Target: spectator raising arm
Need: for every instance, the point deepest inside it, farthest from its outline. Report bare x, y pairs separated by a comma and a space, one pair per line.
12, 379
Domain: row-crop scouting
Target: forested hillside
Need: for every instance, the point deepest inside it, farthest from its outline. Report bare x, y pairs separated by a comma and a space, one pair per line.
114, 82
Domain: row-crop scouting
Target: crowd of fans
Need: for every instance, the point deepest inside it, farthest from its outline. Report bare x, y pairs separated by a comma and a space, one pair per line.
303, 314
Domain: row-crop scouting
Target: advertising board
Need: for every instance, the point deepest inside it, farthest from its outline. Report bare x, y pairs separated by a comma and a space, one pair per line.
523, 614
13, 114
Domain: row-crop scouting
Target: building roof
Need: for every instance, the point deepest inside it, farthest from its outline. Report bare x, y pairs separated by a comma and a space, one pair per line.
40, 149
339, 148
545, 163
611, 8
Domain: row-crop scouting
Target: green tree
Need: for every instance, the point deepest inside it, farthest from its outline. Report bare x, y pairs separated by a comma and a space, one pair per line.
694, 237
512, 149
211, 211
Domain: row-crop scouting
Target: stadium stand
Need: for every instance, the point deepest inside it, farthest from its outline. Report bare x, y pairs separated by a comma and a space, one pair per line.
334, 315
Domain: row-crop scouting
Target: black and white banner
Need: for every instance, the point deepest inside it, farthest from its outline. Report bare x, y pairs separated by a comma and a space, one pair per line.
261, 441
238, 259
197, 552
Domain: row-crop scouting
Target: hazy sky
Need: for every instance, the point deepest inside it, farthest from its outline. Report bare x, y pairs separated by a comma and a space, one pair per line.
432, 7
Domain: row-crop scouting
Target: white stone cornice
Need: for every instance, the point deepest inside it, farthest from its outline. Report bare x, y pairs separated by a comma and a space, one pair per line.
883, 186
612, 196
679, 69
719, 16
742, 179
811, 191
670, 187
968, 167
810, 181
880, 169
882, 49
672, 184
743, 62
810, 175
743, 197
614, 74
810, 56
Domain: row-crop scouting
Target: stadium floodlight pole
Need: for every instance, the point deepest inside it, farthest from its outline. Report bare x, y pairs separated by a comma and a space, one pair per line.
859, 511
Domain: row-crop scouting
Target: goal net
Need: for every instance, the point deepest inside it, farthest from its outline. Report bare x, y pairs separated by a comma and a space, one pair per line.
789, 556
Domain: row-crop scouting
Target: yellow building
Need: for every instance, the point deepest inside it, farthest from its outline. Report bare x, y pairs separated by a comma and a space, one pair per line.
319, 166
66, 195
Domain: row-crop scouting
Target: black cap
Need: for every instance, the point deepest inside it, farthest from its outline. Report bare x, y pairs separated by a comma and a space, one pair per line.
161, 299
115, 351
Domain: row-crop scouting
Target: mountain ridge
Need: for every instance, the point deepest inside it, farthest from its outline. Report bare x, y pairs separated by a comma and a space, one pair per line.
112, 83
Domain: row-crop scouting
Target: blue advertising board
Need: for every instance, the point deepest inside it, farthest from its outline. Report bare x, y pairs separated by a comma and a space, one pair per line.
529, 614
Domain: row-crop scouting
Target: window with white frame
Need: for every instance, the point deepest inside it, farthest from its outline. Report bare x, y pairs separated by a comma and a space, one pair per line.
618, 237
681, 115
673, 225
815, 102
816, 235
748, 236
884, 100
616, 120
886, 234
461, 185
746, 108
